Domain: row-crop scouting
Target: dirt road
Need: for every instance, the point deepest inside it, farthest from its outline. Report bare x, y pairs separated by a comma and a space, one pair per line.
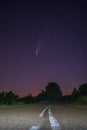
25, 117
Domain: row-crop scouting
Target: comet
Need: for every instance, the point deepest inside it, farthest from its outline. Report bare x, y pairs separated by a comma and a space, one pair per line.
37, 50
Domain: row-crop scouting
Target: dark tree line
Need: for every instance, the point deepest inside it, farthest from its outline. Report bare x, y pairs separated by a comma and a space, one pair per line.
80, 95
8, 98
51, 93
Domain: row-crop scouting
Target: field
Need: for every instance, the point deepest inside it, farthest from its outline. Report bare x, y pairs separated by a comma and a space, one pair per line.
24, 117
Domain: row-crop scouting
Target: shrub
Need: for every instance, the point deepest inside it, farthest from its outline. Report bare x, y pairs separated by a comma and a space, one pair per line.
82, 100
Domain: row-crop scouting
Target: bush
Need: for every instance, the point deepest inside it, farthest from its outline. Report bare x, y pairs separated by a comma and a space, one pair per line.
83, 89
82, 100
75, 95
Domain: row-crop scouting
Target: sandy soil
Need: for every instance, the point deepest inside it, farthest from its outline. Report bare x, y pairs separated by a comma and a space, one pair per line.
23, 117
70, 118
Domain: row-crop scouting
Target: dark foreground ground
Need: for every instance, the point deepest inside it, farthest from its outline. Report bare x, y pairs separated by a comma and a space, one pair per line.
23, 117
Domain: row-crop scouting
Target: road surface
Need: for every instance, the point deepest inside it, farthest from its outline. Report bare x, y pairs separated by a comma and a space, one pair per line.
43, 117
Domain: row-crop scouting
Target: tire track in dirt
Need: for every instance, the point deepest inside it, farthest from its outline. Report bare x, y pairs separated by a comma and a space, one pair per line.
54, 124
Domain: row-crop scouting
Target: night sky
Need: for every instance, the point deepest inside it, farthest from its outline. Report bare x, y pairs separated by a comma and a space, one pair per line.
42, 41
